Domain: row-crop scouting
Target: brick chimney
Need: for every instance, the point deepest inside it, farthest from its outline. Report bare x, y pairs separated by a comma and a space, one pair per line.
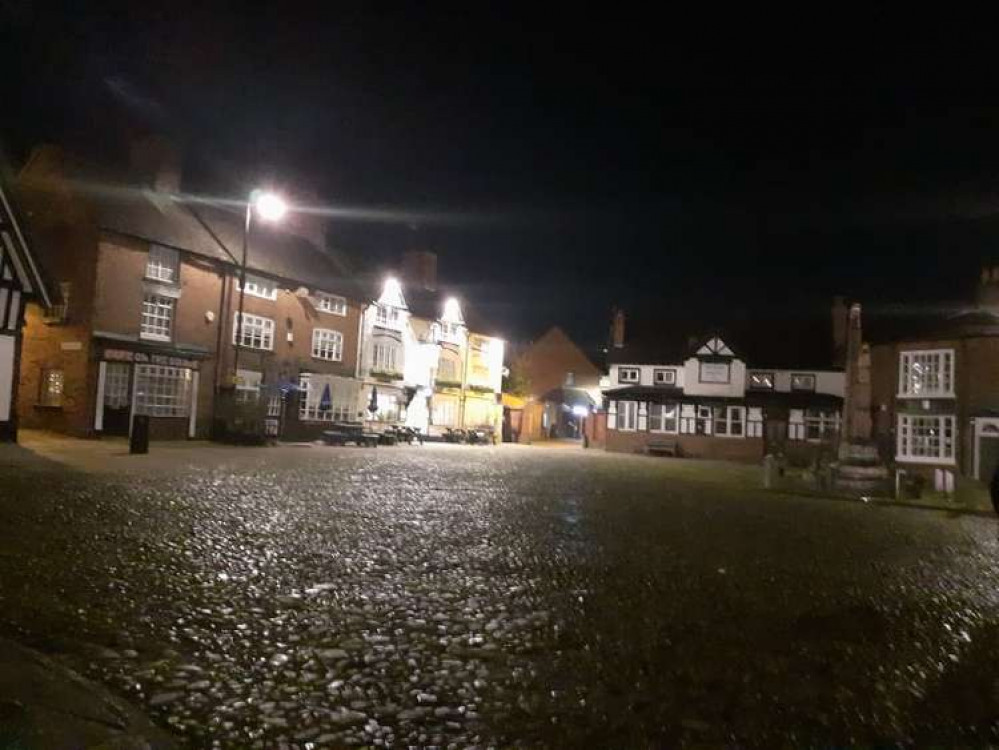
156, 162
419, 268
617, 328
840, 322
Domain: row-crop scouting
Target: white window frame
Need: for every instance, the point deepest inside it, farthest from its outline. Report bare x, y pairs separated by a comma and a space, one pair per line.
388, 316
255, 328
808, 376
333, 304
248, 385
761, 374
827, 421
157, 317
627, 416
913, 448
450, 331
385, 357
455, 377
658, 418
163, 391
909, 360
629, 374
725, 417
117, 385
327, 344
704, 419
664, 376
310, 395
260, 286
163, 264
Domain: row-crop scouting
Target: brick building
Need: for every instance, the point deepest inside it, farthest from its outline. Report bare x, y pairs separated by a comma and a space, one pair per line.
146, 321
935, 388
561, 388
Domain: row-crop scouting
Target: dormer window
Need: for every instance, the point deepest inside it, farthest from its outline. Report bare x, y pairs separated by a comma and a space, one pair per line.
627, 374
450, 331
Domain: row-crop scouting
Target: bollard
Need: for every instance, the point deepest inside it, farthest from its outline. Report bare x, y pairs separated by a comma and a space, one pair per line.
769, 467
138, 441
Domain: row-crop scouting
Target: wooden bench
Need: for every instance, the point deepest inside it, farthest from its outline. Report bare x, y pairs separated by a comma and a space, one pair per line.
662, 447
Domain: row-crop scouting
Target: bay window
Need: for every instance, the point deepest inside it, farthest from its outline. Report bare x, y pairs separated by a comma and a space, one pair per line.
925, 438
388, 316
384, 358
926, 373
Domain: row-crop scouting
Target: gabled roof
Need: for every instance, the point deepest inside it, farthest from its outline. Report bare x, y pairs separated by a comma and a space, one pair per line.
16, 247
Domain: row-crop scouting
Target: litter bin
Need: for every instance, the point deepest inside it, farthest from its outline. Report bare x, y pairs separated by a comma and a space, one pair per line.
138, 441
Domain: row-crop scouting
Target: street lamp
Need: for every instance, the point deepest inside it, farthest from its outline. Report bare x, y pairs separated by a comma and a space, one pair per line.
270, 207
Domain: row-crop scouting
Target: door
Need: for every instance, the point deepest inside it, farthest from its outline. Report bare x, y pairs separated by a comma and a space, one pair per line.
117, 398
775, 433
988, 451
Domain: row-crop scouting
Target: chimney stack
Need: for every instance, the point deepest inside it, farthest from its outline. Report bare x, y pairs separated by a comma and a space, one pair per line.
617, 328
988, 288
419, 268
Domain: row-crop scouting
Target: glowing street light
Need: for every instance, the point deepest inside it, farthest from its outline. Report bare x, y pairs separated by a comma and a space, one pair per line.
270, 207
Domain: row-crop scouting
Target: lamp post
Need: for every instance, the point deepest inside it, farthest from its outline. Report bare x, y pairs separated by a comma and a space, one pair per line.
271, 207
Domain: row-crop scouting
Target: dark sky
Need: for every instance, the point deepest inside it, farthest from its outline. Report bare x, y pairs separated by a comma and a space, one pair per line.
559, 163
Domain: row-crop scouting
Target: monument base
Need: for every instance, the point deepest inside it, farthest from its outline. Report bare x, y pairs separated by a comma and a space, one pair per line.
860, 470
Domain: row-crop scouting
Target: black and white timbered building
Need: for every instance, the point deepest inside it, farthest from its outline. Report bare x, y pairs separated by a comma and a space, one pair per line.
20, 281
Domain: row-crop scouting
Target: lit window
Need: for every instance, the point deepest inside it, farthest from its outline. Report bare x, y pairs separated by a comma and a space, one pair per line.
926, 438
157, 317
802, 382
332, 304
162, 264
117, 379
926, 373
162, 391
664, 377
383, 358
627, 374
729, 420
761, 381
663, 417
53, 382
320, 401
821, 424
255, 333
387, 316
327, 344
258, 286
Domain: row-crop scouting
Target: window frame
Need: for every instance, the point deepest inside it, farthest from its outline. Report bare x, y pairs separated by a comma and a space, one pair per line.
796, 375
152, 306
671, 371
945, 373
725, 416
325, 306
308, 403
828, 422
333, 339
376, 366
661, 418
767, 373
155, 401
154, 265
636, 371
388, 316
258, 286
267, 327
626, 409
946, 453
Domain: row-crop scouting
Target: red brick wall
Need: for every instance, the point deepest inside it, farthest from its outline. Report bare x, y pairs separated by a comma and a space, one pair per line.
691, 446
548, 359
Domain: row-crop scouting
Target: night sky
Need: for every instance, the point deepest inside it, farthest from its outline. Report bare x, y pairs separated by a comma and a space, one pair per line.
557, 164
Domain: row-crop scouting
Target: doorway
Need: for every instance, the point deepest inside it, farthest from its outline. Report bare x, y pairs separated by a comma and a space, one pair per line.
117, 398
986, 448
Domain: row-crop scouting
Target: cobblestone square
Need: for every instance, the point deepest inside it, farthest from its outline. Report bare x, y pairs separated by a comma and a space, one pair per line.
463, 597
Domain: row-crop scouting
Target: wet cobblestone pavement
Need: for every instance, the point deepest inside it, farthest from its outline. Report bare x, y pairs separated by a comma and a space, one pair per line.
496, 597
